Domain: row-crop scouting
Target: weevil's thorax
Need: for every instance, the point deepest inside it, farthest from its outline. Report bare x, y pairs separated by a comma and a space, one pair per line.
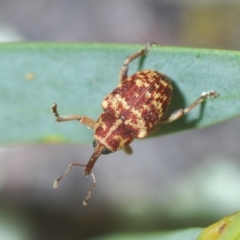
111, 132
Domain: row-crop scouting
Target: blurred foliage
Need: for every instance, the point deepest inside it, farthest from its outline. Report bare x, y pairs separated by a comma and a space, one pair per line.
211, 25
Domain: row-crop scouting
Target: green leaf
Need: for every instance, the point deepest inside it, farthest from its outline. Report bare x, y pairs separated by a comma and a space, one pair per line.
78, 76
186, 234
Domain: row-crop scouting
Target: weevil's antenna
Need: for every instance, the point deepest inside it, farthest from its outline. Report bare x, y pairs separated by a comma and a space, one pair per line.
87, 171
88, 197
57, 181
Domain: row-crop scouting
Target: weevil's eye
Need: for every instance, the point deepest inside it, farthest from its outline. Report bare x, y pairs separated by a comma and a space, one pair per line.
105, 151
94, 143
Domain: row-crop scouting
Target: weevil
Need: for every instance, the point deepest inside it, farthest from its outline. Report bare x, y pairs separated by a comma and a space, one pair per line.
134, 109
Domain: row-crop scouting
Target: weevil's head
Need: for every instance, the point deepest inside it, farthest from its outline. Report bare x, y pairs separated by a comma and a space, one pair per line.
98, 150
110, 134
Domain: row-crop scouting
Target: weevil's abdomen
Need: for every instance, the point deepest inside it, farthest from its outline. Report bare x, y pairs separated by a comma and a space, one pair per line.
140, 100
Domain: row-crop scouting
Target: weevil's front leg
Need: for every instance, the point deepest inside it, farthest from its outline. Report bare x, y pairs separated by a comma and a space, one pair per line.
84, 120
124, 68
179, 113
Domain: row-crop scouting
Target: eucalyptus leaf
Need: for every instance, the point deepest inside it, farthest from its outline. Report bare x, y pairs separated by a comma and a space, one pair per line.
78, 76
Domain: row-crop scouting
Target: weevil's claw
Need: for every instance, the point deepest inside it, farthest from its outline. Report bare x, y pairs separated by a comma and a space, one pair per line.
147, 47
151, 44
213, 94
54, 110
210, 94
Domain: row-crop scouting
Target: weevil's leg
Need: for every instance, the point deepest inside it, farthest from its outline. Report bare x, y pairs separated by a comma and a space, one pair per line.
124, 68
128, 150
179, 113
84, 120
57, 181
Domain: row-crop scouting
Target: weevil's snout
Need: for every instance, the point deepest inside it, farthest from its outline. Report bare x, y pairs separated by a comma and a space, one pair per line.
98, 150
92, 161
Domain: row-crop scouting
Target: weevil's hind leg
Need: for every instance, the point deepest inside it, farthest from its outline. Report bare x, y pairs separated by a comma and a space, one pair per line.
128, 150
84, 120
179, 113
88, 197
124, 68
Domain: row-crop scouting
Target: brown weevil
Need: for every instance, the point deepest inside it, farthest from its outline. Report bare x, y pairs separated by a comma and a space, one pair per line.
132, 110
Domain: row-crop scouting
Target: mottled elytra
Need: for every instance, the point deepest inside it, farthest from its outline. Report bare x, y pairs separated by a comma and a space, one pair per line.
134, 109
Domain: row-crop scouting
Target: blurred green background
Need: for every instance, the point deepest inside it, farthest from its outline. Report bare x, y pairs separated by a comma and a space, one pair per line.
177, 181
